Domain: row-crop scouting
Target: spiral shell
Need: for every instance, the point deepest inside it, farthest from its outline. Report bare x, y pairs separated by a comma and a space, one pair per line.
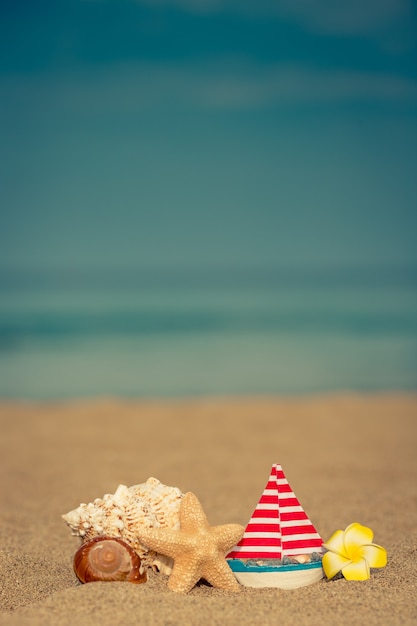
122, 514
108, 559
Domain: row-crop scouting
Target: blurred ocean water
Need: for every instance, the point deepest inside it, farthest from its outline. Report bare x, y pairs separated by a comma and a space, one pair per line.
153, 338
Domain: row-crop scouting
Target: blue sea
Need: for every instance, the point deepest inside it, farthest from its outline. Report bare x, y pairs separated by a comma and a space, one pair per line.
204, 334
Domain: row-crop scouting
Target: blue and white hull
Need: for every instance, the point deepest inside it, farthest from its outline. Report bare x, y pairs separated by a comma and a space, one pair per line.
289, 576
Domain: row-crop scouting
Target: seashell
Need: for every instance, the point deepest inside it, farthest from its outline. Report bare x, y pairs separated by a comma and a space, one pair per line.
302, 558
120, 515
108, 559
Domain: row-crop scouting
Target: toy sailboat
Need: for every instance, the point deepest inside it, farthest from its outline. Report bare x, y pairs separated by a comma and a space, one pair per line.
280, 547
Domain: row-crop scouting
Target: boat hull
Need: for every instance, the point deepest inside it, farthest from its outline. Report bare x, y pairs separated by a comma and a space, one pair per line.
284, 577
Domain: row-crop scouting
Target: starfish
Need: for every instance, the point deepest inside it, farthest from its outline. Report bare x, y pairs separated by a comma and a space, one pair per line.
198, 549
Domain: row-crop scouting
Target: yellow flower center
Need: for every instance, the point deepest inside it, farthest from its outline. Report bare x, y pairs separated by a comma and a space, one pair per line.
355, 553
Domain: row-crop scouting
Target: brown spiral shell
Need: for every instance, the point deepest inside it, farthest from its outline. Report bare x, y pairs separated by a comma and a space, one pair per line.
108, 559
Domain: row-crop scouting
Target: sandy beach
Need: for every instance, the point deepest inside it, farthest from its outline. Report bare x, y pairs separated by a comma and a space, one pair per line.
348, 457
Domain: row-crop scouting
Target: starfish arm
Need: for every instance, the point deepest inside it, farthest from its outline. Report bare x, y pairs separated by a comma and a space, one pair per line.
221, 576
184, 576
227, 536
163, 540
375, 555
357, 570
198, 549
192, 515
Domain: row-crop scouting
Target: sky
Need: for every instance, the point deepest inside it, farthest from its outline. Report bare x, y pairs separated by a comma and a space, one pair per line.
208, 134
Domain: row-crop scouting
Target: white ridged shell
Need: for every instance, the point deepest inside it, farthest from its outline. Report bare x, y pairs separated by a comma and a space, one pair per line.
150, 504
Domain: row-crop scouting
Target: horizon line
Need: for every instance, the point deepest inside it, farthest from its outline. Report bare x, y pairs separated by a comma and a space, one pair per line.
226, 275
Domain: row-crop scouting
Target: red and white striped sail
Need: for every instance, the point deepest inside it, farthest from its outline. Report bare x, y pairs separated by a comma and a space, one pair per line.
279, 525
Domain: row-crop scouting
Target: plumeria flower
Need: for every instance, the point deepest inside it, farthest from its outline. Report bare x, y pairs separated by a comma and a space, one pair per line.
351, 552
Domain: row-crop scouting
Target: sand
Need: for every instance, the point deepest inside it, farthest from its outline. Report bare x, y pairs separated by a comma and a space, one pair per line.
348, 458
